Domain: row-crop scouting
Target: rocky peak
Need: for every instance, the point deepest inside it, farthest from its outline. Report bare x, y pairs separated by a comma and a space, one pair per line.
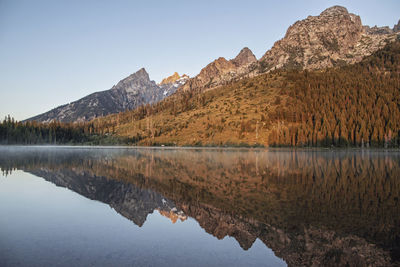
141, 74
129, 93
378, 30
335, 37
244, 57
134, 81
171, 79
215, 69
221, 61
211, 75
170, 84
396, 27
334, 11
222, 71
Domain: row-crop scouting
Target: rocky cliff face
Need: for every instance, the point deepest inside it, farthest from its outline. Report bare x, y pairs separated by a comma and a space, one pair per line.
335, 37
171, 79
396, 27
170, 84
222, 71
131, 92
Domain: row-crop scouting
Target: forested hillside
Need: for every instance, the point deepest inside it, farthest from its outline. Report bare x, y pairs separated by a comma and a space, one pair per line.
354, 105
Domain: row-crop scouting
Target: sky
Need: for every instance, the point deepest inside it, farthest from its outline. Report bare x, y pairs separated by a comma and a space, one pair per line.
53, 52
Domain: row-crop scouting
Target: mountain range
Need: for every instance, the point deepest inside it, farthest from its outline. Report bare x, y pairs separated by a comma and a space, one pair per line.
333, 38
135, 90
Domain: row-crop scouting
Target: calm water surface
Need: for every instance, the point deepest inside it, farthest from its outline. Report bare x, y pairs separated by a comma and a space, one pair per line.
63, 206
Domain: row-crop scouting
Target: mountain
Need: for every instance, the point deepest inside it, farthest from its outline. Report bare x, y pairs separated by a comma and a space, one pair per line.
335, 37
170, 84
351, 105
171, 79
129, 93
396, 28
222, 71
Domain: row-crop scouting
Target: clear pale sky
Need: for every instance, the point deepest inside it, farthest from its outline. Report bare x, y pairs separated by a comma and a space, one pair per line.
54, 52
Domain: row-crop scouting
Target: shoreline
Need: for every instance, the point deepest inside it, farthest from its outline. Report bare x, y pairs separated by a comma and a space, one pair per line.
264, 149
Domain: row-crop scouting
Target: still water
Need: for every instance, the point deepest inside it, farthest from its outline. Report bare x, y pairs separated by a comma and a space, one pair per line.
77, 206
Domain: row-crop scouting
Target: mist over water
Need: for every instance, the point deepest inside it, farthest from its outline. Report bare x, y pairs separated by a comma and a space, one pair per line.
155, 206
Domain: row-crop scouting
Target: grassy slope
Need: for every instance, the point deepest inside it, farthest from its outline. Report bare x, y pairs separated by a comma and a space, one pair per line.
340, 106
230, 115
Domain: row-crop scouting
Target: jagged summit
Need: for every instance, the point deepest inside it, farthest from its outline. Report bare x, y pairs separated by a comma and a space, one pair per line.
222, 71
396, 28
244, 57
170, 84
137, 78
173, 78
334, 11
142, 73
335, 37
135, 90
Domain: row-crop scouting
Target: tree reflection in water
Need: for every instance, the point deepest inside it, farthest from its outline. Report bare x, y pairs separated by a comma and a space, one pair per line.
310, 207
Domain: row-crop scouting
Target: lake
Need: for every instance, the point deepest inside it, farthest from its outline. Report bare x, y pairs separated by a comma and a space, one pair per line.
106, 206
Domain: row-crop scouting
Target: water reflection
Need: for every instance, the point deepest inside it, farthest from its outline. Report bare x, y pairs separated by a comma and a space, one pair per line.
309, 207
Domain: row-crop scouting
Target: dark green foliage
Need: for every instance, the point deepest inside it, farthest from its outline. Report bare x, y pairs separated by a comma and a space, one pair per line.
33, 133
355, 105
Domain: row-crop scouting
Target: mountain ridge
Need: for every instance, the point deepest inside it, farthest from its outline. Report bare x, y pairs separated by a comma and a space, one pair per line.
333, 38
129, 93
221, 71
280, 108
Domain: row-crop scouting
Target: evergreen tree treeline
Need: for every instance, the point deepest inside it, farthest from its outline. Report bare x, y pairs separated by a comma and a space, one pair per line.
355, 105
14, 132
34, 133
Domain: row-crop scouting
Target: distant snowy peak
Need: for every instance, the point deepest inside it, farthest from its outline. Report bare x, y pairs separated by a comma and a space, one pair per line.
170, 84
171, 78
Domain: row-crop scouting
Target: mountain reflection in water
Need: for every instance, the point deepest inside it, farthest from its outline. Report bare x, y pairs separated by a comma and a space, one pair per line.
309, 207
